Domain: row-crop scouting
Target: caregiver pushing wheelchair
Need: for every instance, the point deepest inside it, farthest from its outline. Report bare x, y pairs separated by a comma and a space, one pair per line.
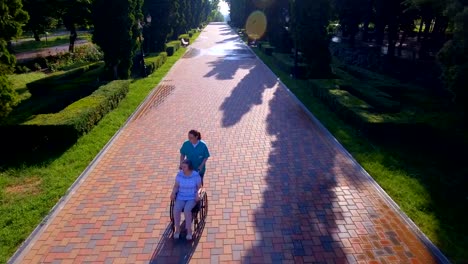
187, 195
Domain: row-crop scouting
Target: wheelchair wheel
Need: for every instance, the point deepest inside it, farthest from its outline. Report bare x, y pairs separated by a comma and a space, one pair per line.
171, 215
203, 207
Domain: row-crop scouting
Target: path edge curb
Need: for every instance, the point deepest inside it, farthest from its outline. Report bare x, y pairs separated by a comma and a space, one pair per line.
40, 228
435, 251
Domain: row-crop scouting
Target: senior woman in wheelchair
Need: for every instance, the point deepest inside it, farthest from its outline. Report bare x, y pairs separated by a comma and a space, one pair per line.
185, 194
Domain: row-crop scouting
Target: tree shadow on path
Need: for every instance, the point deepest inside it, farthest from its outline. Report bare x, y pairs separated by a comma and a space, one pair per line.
298, 220
247, 93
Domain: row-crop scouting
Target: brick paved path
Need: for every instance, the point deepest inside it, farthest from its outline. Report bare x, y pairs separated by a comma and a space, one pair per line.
281, 190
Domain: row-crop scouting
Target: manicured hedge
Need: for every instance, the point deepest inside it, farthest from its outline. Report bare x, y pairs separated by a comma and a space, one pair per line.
286, 63
76, 79
186, 37
364, 86
66, 126
346, 105
172, 47
392, 127
154, 63
268, 49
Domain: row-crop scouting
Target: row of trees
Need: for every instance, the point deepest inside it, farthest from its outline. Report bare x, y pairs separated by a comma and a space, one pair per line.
441, 28
117, 24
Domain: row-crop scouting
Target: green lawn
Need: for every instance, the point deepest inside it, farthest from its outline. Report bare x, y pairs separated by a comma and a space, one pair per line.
19, 82
424, 186
28, 192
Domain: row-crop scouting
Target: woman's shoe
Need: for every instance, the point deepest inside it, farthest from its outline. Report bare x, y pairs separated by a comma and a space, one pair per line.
189, 237
176, 235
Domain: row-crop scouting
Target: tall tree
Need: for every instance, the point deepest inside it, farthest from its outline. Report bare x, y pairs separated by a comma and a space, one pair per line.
176, 19
116, 31
74, 13
351, 13
309, 30
42, 16
276, 29
454, 55
159, 29
13, 17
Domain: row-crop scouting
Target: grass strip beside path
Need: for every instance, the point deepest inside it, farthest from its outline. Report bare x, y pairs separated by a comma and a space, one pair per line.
399, 174
28, 193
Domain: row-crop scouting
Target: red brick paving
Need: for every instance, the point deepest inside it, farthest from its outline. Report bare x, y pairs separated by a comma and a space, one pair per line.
280, 189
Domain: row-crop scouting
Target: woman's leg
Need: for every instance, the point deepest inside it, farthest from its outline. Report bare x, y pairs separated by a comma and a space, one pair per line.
178, 206
188, 215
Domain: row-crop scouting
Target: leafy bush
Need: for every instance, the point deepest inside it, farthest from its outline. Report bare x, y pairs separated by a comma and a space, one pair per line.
172, 47
64, 60
66, 126
184, 36
154, 63
8, 96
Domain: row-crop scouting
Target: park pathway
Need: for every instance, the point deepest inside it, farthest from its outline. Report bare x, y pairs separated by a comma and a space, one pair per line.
281, 189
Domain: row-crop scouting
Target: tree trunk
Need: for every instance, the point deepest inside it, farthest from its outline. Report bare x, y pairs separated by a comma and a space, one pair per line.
115, 69
402, 40
36, 35
424, 48
379, 33
368, 16
73, 36
10, 47
392, 36
420, 30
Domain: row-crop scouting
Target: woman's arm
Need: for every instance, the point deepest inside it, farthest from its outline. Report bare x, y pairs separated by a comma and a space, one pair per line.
202, 164
174, 190
182, 158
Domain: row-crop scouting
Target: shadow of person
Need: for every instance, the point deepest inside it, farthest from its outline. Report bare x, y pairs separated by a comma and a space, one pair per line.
176, 251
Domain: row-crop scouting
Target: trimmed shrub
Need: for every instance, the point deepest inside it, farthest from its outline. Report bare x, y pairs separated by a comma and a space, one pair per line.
346, 105
363, 84
74, 78
154, 63
172, 47
267, 49
286, 63
184, 36
66, 126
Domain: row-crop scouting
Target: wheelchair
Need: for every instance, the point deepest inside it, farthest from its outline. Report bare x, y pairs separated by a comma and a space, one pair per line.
199, 212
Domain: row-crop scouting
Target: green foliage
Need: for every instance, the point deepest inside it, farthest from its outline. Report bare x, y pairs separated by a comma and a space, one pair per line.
172, 47
8, 97
80, 77
285, 62
184, 36
454, 59
42, 16
116, 32
66, 126
82, 55
155, 62
12, 18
